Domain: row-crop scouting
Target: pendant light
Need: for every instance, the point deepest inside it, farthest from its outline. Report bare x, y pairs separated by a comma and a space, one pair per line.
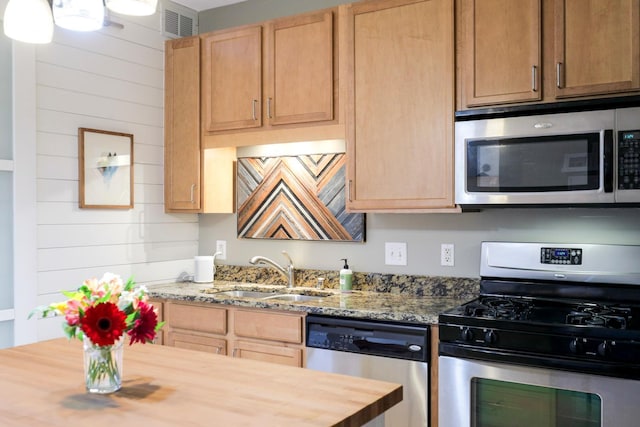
133, 7
28, 21
78, 15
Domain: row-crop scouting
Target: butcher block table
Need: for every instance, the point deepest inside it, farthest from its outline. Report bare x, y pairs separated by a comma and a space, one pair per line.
42, 385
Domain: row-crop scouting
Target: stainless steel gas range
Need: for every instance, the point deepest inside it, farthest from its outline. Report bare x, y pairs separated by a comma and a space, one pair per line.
552, 341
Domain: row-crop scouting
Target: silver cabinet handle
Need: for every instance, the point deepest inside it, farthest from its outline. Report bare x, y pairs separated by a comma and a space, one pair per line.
233, 354
349, 190
558, 75
534, 78
193, 187
253, 109
218, 350
269, 107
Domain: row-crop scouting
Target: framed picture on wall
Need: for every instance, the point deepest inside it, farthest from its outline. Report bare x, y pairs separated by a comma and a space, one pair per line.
105, 169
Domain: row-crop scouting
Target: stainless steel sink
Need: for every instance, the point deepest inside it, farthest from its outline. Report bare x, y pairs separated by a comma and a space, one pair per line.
246, 294
294, 297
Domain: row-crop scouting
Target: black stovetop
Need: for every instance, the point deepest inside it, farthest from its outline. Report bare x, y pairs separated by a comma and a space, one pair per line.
596, 331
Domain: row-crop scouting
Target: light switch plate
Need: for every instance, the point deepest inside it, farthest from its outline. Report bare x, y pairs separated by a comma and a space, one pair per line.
395, 253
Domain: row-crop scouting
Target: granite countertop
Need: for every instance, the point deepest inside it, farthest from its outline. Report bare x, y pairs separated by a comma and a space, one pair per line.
397, 305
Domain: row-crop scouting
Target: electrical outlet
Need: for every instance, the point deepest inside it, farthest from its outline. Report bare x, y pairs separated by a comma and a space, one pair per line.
221, 246
446, 254
395, 253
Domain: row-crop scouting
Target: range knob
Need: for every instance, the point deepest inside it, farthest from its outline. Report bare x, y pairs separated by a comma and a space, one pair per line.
466, 335
490, 337
604, 349
576, 346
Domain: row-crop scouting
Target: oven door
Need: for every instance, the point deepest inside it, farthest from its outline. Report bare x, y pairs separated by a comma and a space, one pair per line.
486, 394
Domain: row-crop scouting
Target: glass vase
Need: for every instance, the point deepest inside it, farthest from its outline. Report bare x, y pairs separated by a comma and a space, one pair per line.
103, 366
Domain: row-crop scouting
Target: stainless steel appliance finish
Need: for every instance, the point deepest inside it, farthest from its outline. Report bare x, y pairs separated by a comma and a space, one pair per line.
590, 157
385, 351
618, 396
553, 338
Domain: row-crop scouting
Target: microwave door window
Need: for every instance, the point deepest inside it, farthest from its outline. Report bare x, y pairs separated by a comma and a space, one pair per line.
560, 163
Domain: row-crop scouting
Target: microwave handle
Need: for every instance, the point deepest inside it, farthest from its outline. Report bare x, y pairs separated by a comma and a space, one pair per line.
608, 161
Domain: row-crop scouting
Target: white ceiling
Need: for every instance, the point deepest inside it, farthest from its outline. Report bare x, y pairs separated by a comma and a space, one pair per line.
200, 5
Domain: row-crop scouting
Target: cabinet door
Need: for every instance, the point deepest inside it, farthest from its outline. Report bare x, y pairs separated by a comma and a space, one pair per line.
268, 353
501, 51
182, 125
266, 325
400, 122
597, 46
232, 79
300, 70
191, 317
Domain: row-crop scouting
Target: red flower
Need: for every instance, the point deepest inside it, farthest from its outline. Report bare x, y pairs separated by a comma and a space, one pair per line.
103, 323
144, 328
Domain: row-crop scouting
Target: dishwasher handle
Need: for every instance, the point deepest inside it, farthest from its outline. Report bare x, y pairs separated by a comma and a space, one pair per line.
382, 347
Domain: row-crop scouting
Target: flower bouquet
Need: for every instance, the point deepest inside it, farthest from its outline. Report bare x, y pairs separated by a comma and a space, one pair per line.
100, 313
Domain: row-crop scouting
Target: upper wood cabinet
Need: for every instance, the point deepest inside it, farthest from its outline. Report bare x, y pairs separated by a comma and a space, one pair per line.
195, 180
501, 57
300, 77
546, 50
232, 79
277, 73
401, 102
182, 132
597, 46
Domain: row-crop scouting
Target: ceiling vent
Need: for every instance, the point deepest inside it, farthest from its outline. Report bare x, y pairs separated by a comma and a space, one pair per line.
178, 21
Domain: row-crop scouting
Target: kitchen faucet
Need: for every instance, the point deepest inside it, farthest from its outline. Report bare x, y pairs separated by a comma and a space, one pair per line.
286, 272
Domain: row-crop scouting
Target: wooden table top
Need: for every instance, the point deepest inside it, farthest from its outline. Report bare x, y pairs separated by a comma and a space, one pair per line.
42, 385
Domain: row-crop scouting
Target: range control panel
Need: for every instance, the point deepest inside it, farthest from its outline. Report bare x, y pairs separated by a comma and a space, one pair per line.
629, 160
566, 256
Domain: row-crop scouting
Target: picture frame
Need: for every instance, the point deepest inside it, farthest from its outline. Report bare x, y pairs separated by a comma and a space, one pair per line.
105, 169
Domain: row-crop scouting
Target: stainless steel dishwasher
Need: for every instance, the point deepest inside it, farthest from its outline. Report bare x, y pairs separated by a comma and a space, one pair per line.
386, 351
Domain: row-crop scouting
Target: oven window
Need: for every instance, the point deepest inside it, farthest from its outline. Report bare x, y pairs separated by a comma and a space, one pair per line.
505, 404
545, 163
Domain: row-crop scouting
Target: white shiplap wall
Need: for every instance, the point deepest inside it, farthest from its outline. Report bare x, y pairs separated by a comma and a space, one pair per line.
111, 80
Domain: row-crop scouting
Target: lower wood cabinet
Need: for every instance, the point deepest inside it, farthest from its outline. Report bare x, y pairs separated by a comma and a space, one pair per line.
193, 341
159, 306
258, 334
291, 356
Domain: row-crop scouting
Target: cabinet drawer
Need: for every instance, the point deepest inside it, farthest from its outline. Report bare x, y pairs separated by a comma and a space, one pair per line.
196, 318
197, 342
268, 353
268, 326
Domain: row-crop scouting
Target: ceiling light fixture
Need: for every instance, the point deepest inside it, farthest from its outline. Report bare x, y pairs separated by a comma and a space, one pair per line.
133, 7
78, 15
29, 21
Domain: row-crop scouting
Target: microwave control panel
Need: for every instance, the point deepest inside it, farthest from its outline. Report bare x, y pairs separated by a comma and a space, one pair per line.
629, 160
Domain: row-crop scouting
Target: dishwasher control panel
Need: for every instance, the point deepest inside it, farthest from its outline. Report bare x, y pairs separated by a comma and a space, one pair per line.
366, 337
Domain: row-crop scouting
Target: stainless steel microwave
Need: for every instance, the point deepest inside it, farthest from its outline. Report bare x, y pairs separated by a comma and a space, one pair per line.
590, 157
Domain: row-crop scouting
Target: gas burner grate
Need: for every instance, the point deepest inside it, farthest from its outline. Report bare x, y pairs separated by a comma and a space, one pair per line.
499, 308
600, 316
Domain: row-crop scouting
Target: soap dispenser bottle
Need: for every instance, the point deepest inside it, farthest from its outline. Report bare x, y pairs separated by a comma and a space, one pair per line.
346, 276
